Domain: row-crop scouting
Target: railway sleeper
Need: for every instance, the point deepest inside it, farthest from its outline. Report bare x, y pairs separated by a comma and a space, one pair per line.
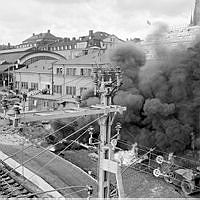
20, 187
11, 181
15, 184
6, 178
3, 183
4, 175
5, 187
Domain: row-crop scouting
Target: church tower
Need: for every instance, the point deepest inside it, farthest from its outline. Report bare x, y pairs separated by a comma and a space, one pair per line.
196, 15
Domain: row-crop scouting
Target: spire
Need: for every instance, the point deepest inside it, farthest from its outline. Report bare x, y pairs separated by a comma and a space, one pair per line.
196, 16
191, 20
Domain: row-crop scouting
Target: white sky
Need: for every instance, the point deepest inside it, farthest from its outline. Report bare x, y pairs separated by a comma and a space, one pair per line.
68, 18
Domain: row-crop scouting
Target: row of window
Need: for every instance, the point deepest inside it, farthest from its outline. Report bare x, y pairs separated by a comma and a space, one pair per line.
61, 48
24, 85
70, 90
72, 71
57, 89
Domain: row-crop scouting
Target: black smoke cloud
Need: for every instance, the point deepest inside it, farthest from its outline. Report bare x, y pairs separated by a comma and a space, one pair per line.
162, 97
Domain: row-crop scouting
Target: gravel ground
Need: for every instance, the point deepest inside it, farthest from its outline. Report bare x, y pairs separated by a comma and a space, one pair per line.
136, 184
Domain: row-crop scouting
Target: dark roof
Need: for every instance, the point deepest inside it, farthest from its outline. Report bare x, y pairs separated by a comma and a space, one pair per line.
96, 36
42, 36
101, 35
12, 57
4, 67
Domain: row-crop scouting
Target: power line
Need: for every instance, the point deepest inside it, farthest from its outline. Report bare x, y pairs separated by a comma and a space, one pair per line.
20, 151
55, 156
54, 145
163, 152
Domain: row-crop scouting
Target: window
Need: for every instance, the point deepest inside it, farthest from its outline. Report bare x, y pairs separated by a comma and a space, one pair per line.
17, 84
24, 85
59, 70
70, 90
34, 86
82, 72
85, 72
57, 89
71, 71
82, 90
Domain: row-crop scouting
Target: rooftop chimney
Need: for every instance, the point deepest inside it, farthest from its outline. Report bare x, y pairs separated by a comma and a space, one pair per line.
90, 33
66, 39
48, 31
196, 16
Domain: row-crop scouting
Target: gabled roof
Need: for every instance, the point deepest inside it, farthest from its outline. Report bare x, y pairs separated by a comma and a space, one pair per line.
101, 35
42, 36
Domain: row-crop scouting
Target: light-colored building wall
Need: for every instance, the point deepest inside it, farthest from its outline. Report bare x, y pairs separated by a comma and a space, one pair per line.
111, 42
65, 84
179, 37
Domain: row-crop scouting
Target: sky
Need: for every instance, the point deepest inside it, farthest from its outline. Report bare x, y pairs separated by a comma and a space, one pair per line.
19, 19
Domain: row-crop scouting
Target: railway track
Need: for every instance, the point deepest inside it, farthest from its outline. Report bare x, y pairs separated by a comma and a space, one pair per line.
10, 185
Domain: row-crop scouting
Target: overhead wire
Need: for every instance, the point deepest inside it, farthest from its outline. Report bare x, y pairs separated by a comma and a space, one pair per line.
51, 160
152, 153
162, 152
148, 166
46, 149
42, 138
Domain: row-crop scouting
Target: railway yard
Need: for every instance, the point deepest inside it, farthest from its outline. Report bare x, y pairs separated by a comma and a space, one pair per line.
63, 173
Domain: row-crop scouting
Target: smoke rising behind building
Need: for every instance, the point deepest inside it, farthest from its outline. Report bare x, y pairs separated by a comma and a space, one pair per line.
162, 98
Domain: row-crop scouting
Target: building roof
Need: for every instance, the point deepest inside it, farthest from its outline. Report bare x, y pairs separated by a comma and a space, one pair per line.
12, 57
63, 43
41, 36
91, 59
40, 66
4, 67
95, 36
101, 35
16, 50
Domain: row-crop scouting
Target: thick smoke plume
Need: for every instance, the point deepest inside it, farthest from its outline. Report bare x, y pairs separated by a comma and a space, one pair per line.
162, 97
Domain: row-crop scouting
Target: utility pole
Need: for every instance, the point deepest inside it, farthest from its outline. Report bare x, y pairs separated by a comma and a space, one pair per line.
8, 76
52, 81
107, 83
106, 87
